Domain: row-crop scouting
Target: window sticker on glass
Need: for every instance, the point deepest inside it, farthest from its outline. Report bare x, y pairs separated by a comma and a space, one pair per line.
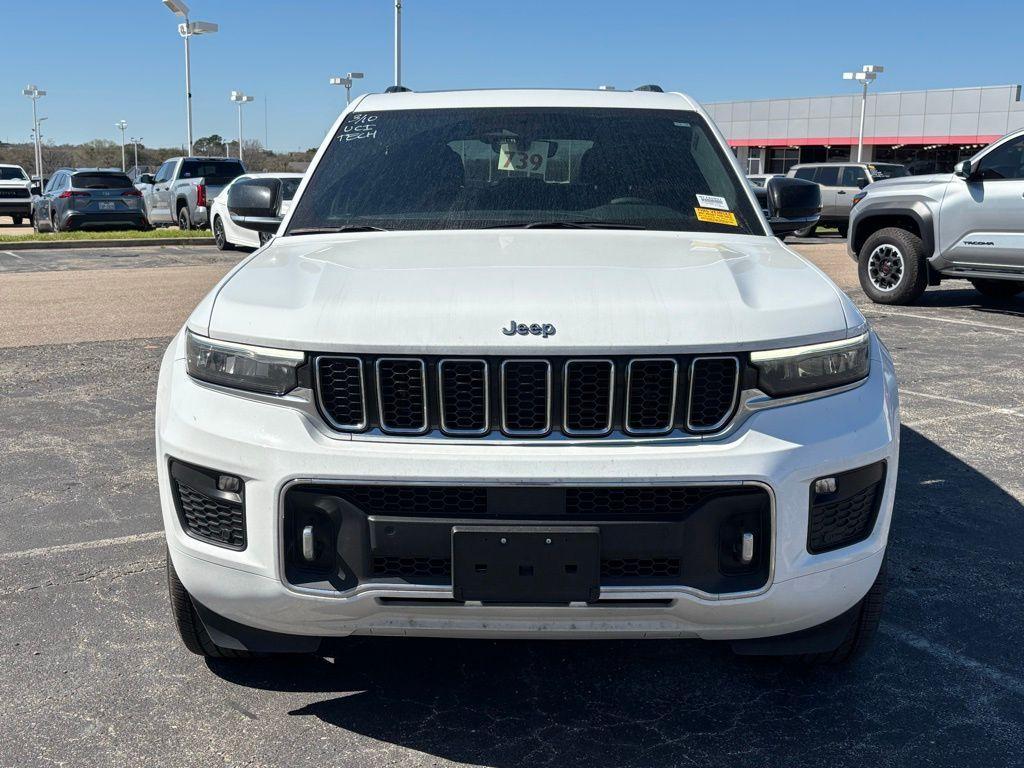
534, 159
716, 217
359, 126
712, 201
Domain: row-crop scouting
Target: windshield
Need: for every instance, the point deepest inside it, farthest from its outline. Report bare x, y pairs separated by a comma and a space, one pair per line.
498, 167
879, 172
9, 174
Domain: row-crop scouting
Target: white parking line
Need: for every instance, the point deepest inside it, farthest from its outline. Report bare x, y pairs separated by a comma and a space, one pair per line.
81, 545
875, 310
12, 253
950, 656
958, 401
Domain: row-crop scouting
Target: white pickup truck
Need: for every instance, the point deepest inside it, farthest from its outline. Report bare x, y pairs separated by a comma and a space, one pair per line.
182, 189
526, 363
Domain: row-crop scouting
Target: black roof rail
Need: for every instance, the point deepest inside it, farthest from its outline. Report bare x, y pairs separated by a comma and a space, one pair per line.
397, 89
650, 87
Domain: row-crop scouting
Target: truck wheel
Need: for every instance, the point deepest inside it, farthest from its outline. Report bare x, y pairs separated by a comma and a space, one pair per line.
862, 631
190, 628
811, 231
17, 220
184, 220
844, 230
220, 236
892, 268
998, 289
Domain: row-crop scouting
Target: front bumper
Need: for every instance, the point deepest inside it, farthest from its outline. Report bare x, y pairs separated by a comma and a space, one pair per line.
16, 207
272, 447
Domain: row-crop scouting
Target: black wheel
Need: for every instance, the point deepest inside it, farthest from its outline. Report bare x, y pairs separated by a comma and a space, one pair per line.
863, 630
17, 220
190, 627
220, 236
892, 268
844, 230
811, 231
54, 221
184, 220
34, 222
998, 289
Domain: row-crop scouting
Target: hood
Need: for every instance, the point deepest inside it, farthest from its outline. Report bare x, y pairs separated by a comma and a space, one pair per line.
452, 292
16, 183
911, 181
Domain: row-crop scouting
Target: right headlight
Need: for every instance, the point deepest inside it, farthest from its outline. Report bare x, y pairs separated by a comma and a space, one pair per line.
798, 370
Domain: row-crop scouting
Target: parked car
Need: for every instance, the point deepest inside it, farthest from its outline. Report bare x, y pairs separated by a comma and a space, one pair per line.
181, 189
525, 363
226, 233
88, 198
15, 193
760, 179
909, 233
839, 182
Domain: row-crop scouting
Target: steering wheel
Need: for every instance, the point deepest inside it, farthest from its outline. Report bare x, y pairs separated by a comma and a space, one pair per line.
630, 201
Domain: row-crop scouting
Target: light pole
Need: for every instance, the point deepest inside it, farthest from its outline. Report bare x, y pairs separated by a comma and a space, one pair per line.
187, 30
135, 142
868, 73
240, 98
398, 42
347, 82
35, 94
122, 124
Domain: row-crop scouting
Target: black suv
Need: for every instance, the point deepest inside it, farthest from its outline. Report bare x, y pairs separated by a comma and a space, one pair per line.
89, 198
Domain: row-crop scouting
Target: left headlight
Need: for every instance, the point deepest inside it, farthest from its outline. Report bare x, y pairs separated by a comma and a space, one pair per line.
243, 366
798, 370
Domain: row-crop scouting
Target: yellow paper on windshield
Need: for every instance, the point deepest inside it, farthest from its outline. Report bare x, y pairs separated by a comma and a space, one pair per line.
716, 217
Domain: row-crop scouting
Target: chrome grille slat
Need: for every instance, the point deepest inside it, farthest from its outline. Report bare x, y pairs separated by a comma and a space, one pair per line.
713, 392
521, 403
402, 395
588, 398
343, 396
464, 400
650, 410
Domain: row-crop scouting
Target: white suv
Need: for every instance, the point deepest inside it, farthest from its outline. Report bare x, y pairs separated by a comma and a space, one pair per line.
525, 363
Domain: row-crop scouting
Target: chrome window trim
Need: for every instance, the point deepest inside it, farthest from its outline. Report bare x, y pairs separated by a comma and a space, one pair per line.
629, 389
732, 405
362, 393
445, 592
487, 395
380, 402
547, 422
565, 398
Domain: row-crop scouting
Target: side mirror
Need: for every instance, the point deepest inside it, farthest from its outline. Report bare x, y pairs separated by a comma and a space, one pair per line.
964, 169
255, 204
792, 204
146, 178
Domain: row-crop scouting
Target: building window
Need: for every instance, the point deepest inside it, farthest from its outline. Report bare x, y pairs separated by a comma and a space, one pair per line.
753, 160
781, 160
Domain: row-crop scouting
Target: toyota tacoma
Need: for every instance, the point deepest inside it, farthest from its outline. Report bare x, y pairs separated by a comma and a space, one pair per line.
526, 363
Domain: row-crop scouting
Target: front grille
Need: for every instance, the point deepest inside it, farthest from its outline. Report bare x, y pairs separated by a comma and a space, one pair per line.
528, 398
213, 520
14, 193
453, 501
653, 500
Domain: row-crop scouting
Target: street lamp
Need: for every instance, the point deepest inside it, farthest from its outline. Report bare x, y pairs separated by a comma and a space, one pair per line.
240, 98
868, 73
122, 125
35, 94
398, 42
187, 30
135, 142
347, 82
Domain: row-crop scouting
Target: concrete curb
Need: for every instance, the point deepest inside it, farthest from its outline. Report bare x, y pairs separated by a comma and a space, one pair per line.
133, 243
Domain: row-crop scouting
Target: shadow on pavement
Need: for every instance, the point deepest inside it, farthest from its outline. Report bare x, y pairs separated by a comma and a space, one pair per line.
655, 703
968, 298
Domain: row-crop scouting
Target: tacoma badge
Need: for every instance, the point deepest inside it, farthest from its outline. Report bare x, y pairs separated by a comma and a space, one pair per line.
535, 329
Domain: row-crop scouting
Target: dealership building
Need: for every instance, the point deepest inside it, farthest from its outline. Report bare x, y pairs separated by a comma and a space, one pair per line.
928, 131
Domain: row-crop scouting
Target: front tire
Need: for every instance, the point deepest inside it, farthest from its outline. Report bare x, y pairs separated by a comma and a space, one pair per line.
998, 289
861, 632
190, 627
892, 267
220, 236
17, 220
811, 231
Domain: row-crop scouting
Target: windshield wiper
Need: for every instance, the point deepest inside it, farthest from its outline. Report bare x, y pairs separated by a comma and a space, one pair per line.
583, 224
334, 230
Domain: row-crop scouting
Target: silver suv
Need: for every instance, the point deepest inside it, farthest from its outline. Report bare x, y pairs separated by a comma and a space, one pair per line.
909, 233
839, 183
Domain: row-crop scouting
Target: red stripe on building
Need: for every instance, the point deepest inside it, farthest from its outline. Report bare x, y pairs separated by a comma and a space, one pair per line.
868, 140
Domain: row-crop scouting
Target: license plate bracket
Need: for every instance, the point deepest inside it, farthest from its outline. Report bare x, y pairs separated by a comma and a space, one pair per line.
107, 206
526, 564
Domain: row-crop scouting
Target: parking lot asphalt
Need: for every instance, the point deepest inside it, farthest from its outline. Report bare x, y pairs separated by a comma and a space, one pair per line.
91, 672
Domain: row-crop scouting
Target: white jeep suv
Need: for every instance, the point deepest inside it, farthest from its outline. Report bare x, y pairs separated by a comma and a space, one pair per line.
525, 363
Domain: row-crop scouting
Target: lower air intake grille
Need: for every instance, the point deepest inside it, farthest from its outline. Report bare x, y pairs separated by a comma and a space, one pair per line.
837, 524
641, 568
409, 567
635, 501
447, 501
713, 388
213, 520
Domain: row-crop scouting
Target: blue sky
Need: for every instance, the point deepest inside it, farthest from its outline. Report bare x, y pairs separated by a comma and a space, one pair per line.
104, 60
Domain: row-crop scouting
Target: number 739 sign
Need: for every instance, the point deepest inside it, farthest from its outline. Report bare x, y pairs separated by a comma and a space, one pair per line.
535, 159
